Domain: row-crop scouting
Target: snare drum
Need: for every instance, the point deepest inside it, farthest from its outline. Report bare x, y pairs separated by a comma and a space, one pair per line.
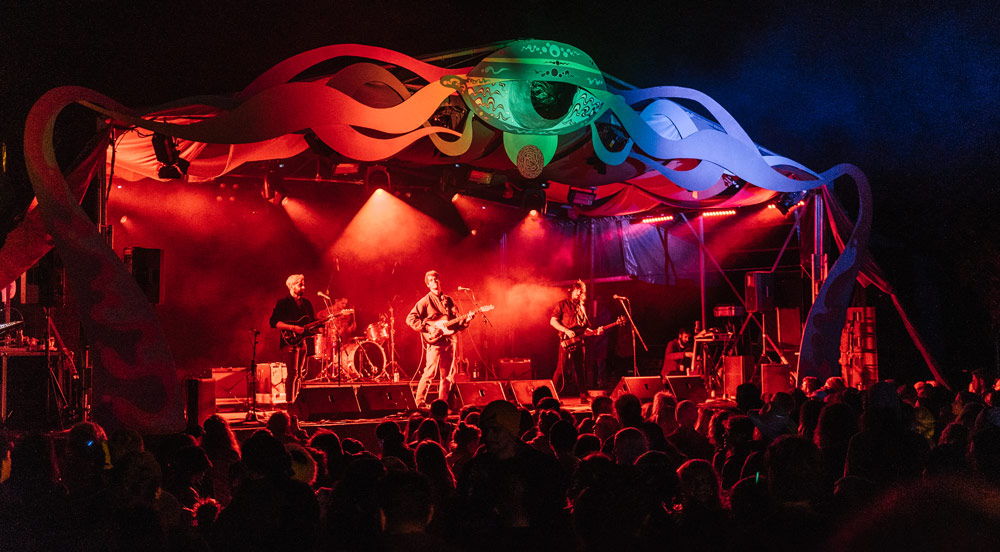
378, 332
323, 347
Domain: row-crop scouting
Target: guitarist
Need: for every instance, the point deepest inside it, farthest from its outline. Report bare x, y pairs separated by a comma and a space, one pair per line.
569, 318
291, 313
439, 350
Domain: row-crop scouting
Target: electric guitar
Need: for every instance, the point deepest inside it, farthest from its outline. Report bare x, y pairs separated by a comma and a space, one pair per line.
440, 328
571, 343
289, 337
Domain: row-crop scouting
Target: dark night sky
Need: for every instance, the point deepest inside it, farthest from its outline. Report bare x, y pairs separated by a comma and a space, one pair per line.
911, 97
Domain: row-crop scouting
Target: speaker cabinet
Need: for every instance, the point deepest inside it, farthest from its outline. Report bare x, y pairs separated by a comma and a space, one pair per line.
30, 406
688, 388
321, 401
521, 391
734, 373
515, 369
231, 386
760, 291
776, 378
146, 266
475, 393
643, 387
379, 400
200, 399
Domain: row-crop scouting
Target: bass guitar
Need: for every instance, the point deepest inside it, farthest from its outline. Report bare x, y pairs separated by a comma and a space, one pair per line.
289, 337
440, 328
571, 343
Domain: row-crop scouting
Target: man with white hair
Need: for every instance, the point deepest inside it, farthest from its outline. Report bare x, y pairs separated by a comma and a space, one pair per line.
291, 314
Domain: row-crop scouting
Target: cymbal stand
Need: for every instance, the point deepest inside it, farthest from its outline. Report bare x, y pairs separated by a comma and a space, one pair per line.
392, 367
324, 374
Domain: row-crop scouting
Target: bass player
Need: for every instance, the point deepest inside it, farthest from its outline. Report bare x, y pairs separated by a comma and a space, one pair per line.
436, 318
569, 318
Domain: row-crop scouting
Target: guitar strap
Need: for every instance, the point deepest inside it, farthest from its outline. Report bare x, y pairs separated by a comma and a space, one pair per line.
439, 304
581, 316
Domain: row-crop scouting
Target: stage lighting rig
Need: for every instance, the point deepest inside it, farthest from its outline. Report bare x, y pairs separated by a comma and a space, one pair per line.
788, 200
173, 167
581, 197
533, 199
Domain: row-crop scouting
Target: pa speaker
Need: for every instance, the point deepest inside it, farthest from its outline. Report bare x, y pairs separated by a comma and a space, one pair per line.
386, 399
521, 391
775, 378
760, 291
475, 393
146, 266
30, 406
734, 373
688, 388
200, 400
325, 401
643, 387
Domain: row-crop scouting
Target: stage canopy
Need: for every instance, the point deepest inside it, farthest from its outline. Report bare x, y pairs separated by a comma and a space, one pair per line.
528, 122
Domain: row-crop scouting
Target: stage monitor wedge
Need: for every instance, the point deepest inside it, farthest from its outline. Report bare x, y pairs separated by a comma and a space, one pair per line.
323, 401
521, 391
476, 393
644, 387
688, 388
383, 399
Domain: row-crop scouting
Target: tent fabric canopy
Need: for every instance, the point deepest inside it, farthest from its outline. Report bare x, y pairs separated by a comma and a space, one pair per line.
533, 111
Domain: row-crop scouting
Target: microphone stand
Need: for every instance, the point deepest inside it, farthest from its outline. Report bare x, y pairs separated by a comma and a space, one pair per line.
252, 380
635, 332
486, 344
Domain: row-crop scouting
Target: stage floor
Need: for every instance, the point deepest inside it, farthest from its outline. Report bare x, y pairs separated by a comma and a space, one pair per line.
360, 428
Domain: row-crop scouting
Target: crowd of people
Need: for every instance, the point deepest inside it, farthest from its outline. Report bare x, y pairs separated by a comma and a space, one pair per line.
825, 466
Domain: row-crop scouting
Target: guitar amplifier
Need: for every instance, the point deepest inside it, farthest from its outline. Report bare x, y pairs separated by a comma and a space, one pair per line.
231, 385
515, 368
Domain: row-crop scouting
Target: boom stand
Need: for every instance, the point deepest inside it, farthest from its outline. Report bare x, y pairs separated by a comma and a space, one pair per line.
635, 333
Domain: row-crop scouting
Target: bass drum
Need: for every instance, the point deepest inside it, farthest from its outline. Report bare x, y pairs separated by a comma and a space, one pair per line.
365, 359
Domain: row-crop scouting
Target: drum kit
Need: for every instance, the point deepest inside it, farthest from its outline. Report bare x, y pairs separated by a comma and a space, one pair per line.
346, 358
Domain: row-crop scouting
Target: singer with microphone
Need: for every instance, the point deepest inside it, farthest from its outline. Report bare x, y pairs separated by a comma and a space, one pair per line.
569, 318
292, 314
435, 316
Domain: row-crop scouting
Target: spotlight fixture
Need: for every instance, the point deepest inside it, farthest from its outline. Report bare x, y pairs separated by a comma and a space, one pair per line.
534, 199
789, 200
172, 167
580, 197
377, 176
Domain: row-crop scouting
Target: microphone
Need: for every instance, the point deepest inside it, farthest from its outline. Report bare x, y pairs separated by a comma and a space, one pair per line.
461, 288
323, 295
619, 297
